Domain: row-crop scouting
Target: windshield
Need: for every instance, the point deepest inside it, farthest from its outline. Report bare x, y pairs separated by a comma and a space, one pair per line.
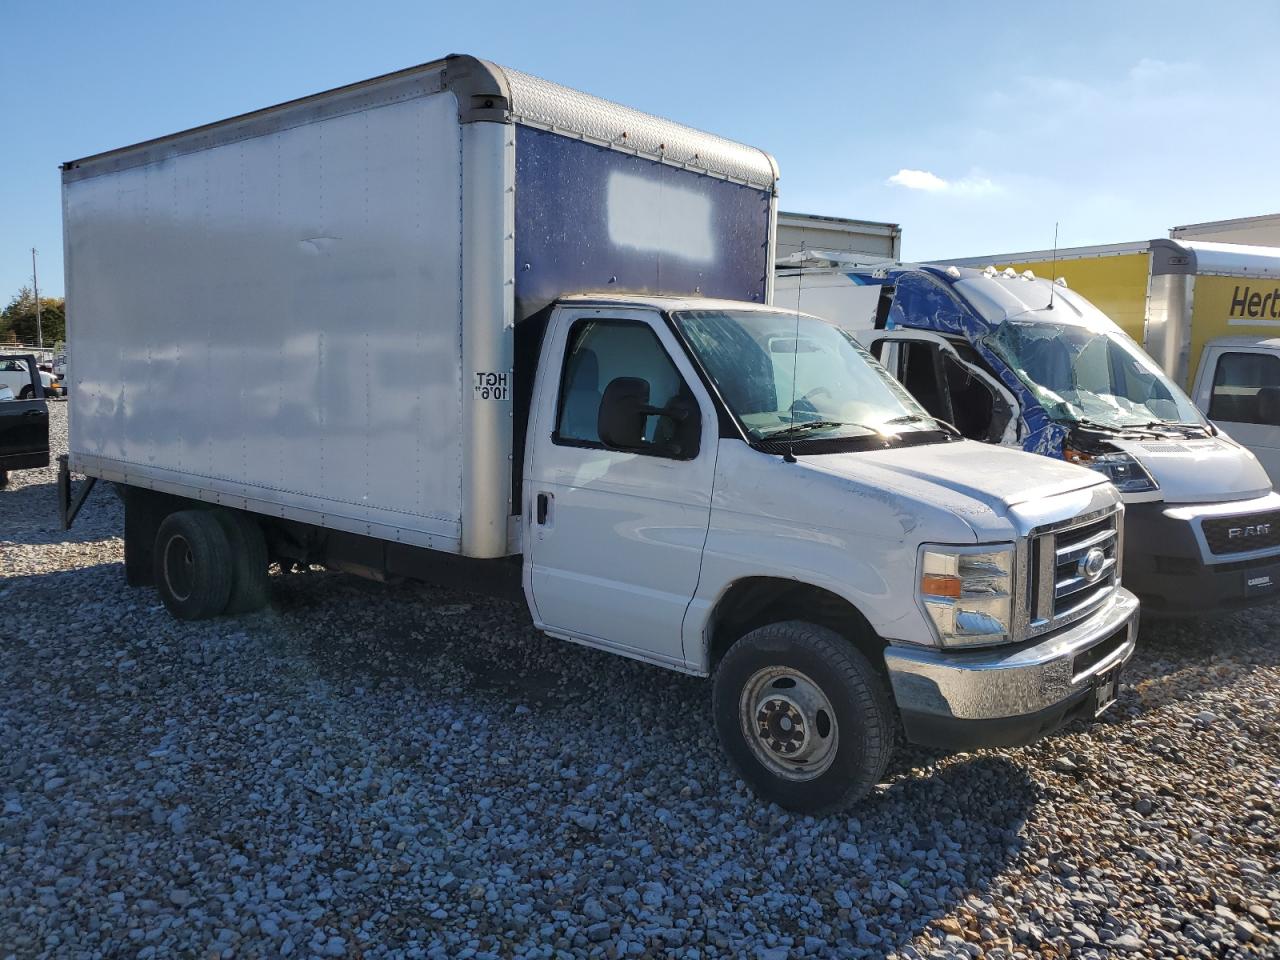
1099, 376
788, 375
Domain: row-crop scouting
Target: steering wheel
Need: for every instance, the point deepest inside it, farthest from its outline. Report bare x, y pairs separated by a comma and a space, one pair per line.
817, 393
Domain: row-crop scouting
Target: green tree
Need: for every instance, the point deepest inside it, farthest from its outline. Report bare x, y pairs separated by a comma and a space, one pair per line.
18, 319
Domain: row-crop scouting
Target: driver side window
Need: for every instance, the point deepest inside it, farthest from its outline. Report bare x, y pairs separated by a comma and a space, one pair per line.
601, 351
1246, 389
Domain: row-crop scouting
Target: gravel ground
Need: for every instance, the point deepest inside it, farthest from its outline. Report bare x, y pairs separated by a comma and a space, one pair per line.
367, 770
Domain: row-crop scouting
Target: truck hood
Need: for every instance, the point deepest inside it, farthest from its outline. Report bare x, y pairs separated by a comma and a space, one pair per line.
958, 492
1198, 470
993, 476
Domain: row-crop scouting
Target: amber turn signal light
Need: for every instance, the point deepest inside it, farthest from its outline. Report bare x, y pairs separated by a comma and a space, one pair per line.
937, 585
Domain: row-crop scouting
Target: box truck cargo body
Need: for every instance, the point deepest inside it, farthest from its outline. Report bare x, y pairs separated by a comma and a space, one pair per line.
1261, 231
806, 235
312, 363
458, 323
1015, 359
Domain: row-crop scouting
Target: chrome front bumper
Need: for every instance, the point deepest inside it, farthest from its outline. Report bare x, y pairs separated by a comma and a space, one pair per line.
1009, 695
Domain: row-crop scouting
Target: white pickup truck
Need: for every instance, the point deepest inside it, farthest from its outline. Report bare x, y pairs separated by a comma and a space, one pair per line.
461, 324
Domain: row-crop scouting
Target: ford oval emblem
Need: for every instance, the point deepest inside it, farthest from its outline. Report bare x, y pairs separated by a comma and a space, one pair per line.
1092, 564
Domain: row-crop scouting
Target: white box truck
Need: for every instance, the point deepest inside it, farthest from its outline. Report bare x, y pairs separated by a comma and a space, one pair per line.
1260, 231
458, 323
1014, 359
803, 236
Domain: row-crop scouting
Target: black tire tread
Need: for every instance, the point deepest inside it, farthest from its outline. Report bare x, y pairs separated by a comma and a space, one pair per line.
878, 720
213, 587
250, 588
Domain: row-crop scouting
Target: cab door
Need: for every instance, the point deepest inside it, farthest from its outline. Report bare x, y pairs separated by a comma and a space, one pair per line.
613, 537
24, 424
1238, 388
950, 388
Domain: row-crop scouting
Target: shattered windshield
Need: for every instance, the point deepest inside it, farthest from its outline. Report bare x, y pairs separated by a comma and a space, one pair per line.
1083, 374
789, 375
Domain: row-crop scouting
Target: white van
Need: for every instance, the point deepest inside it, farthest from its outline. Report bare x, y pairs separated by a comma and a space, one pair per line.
1013, 359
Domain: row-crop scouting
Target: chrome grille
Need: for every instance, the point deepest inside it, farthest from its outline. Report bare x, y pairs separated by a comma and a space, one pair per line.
1061, 590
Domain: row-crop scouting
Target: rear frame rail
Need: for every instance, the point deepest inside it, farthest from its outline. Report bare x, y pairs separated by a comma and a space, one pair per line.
68, 507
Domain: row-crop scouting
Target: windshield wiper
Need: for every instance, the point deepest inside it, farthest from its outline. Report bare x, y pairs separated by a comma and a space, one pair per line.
1155, 428
1108, 427
807, 425
1176, 425
916, 418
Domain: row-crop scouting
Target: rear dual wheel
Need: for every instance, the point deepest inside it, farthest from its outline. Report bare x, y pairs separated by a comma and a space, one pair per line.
210, 562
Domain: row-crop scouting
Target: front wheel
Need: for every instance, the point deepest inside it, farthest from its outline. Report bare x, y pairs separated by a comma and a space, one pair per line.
803, 716
26, 393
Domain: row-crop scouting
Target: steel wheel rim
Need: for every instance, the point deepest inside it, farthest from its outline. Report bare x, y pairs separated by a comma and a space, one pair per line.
179, 567
789, 723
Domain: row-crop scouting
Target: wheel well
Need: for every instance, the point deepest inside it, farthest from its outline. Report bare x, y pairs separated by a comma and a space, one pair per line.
757, 601
144, 511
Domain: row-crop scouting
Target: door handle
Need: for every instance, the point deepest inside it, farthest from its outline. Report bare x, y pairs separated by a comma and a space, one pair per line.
544, 503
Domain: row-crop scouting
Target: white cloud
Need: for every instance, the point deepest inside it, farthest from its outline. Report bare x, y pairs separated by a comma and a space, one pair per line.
919, 180
932, 183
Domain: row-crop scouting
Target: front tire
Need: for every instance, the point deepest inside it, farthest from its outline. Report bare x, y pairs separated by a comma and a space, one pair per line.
26, 393
803, 716
193, 569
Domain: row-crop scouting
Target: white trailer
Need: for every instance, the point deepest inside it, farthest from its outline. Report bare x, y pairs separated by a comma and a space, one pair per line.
1260, 231
802, 237
458, 323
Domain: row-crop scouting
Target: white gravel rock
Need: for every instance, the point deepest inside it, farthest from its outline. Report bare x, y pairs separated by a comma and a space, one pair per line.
402, 771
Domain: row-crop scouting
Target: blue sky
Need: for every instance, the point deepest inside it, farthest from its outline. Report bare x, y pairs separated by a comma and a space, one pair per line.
974, 126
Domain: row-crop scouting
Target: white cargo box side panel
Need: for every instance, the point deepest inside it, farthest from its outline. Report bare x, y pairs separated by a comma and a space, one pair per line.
276, 322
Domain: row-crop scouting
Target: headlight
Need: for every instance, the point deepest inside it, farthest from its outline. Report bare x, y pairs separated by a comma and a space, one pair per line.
968, 595
1122, 469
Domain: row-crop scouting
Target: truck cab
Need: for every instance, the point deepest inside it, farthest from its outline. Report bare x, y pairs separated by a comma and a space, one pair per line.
732, 489
1013, 359
1237, 386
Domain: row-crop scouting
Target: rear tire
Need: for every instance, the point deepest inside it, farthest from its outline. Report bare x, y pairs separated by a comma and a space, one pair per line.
250, 590
803, 717
193, 565
26, 393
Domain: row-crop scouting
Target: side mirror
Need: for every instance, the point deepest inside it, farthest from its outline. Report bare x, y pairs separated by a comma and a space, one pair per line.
5, 393
624, 414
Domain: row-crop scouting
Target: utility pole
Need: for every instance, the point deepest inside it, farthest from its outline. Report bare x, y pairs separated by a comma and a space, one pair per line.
35, 284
